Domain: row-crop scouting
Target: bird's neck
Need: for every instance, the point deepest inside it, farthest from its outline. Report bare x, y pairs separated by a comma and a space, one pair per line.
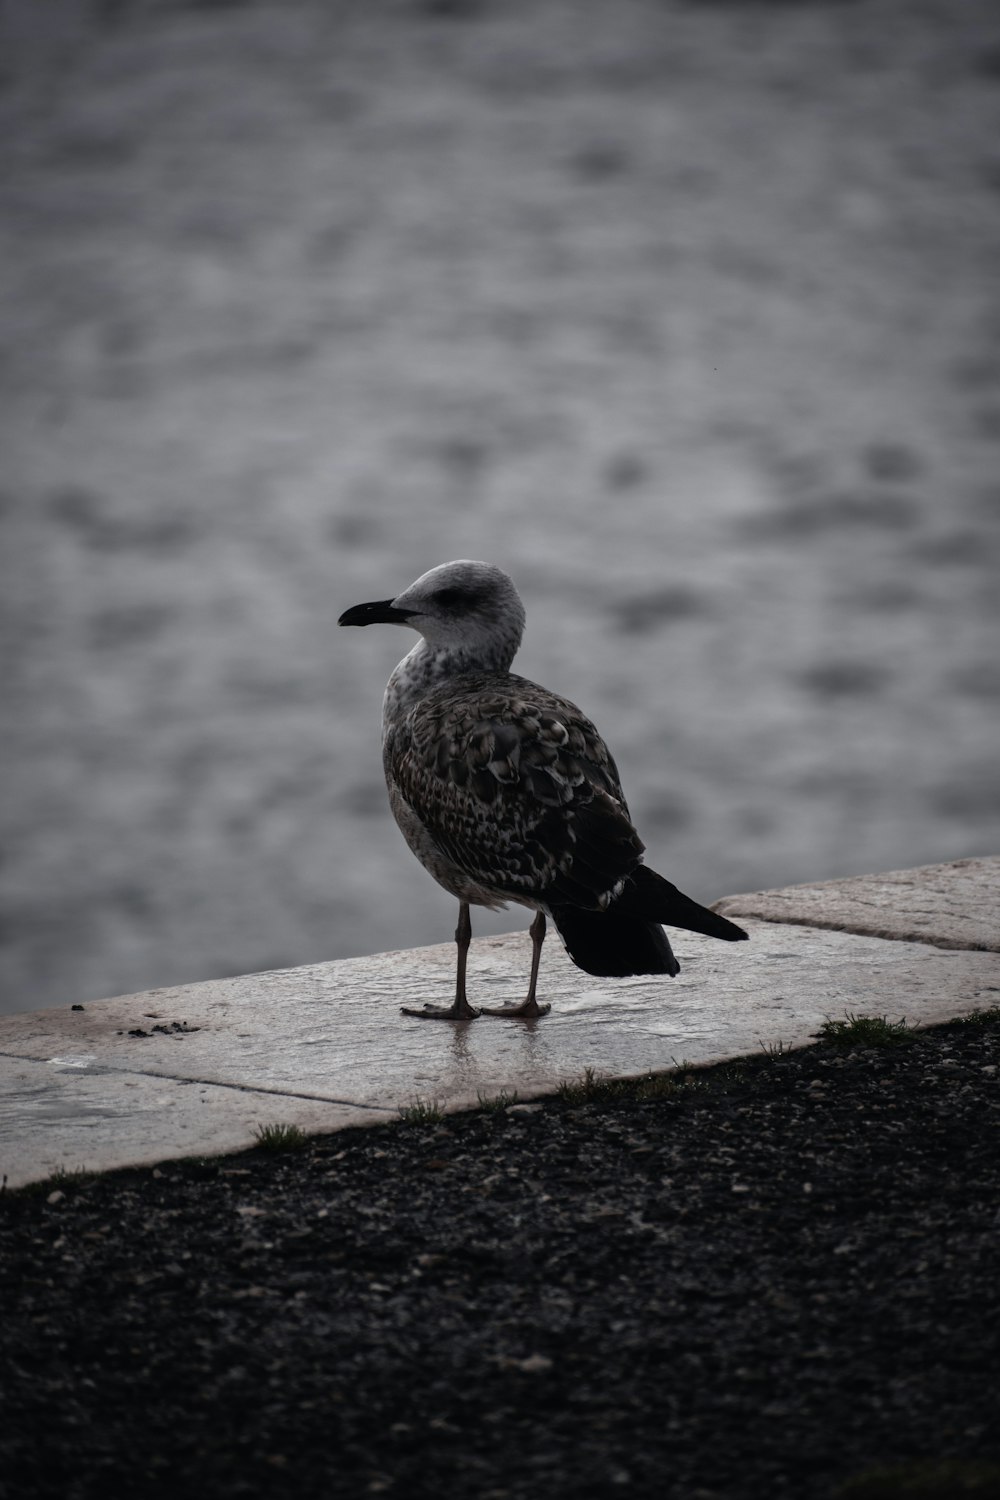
426, 667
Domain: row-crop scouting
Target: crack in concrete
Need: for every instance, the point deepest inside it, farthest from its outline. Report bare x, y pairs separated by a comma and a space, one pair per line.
786, 919
102, 1069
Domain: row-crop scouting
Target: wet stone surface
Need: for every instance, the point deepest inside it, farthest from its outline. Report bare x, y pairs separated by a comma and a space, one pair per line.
767, 1279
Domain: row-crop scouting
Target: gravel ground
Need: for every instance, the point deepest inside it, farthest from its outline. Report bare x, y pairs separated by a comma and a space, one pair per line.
766, 1279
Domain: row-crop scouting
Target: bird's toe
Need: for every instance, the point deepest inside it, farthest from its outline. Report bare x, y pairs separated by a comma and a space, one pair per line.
441, 1013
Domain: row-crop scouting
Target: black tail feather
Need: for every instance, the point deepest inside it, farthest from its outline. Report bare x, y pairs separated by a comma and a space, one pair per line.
648, 895
628, 937
613, 942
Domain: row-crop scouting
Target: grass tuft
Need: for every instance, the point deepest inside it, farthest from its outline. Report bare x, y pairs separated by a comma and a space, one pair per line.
280, 1137
590, 1085
497, 1103
421, 1112
988, 1016
667, 1085
658, 1085
58, 1181
866, 1031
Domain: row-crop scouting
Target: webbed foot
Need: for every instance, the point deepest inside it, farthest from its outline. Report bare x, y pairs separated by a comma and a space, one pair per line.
528, 1010
452, 1012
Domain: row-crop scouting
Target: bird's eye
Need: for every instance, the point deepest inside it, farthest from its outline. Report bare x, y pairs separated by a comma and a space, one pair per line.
451, 597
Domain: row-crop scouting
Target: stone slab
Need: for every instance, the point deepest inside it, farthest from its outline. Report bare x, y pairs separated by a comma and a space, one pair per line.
68, 1113
955, 905
326, 1046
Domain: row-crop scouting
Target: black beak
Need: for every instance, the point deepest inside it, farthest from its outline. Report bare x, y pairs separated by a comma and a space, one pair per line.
380, 612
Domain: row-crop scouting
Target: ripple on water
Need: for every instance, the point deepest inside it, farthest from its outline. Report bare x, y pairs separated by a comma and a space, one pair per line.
844, 679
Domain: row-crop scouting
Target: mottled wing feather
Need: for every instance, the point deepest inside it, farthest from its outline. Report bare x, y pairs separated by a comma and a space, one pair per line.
516, 787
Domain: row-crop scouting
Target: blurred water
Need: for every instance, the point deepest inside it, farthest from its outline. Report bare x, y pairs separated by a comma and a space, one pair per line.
685, 314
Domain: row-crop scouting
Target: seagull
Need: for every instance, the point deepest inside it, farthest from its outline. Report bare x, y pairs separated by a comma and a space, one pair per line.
506, 792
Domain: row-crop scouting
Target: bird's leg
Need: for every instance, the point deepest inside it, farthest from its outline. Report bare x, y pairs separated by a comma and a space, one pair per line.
460, 1009
529, 1006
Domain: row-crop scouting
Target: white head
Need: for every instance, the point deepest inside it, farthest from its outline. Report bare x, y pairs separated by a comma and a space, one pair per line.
467, 611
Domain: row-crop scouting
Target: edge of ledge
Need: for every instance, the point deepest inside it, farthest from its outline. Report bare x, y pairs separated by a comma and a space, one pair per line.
955, 905
324, 1047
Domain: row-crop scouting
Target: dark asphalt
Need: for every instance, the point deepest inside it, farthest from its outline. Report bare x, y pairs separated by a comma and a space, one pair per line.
766, 1281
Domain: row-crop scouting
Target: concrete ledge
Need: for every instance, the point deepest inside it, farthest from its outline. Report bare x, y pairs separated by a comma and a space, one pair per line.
194, 1070
956, 905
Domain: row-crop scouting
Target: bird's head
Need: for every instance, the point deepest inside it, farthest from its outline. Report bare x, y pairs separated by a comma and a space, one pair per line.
469, 608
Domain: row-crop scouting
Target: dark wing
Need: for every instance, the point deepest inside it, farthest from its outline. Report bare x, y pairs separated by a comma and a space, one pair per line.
517, 788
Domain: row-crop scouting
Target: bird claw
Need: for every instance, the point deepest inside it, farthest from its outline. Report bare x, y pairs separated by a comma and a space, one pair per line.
441, 1013
522, 1012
